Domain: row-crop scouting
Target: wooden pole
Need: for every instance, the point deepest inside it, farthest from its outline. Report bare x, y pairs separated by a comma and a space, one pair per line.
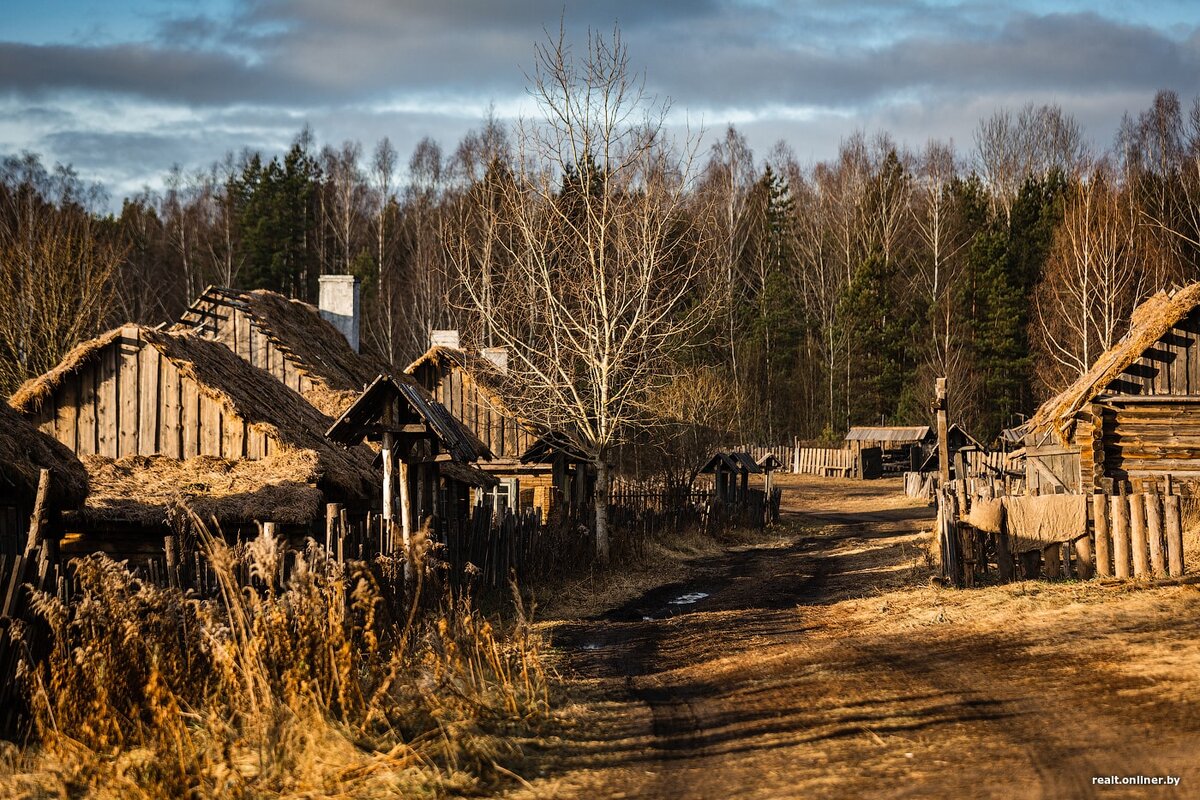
1053, 560
1103, 542
1083, 558
38, 521
1154, 532
1137, 536
332, 511
388, 452
939, 405
1120, 534
1174, 535
405, 521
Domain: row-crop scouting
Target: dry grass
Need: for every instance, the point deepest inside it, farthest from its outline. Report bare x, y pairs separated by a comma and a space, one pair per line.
313, 685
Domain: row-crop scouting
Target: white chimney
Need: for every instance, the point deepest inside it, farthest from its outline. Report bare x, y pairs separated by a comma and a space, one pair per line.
497, 355
339, 304
444, 339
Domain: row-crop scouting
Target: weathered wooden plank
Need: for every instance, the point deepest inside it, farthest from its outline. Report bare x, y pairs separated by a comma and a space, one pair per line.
1103, 542
1154, 536
170, 427
66, 416
87, 411
107, 395
189, 417
233, 435
149, 400
242, 335
210, 426
258, 348
129, 368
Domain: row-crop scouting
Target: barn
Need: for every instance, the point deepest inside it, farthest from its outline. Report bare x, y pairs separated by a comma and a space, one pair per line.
534, 468
902, 448
167, 418
1134, 417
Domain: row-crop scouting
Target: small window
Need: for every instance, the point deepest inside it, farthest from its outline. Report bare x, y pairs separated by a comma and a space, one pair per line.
503, 497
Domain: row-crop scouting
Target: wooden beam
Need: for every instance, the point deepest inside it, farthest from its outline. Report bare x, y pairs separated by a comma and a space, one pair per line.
940, 406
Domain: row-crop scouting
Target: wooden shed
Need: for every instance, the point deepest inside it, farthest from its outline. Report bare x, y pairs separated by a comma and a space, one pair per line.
166, 417
432, 451
286, 338
535, 468
24, 453
1134, 415
903, 447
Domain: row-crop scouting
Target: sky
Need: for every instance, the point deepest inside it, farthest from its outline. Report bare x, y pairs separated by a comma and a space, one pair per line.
124, 89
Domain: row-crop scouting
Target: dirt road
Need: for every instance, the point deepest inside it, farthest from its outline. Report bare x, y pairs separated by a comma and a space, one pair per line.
827, 665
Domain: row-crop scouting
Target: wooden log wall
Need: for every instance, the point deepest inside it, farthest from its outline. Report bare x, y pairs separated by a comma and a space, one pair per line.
130, 400
1150, 441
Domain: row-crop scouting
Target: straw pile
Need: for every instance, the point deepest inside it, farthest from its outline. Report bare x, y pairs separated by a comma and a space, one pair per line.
143, 489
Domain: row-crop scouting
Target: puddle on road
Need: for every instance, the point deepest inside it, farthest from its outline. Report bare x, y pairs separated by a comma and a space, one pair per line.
689, 598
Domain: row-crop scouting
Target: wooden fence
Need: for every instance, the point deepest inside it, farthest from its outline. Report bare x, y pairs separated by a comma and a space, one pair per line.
1138, 535
824, 461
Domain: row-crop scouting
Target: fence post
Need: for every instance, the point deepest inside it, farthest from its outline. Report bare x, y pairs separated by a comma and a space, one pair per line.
1120, 533
1103, 554
1137, 535
1154, 531
1174, 536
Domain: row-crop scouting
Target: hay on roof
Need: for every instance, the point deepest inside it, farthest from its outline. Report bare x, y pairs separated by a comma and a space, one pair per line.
142, 490
25, 452
250, 393
34, 392
1150, 322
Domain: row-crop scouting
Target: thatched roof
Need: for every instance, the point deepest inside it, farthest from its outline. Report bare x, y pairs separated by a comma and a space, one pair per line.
25, 452
143, 490
313, 345
250, 393
1150, 322
481, 370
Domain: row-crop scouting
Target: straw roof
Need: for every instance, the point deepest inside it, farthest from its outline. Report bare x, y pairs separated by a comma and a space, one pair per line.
313, 345
1150, 322
250, 393
481, 370
25, 452
145, 489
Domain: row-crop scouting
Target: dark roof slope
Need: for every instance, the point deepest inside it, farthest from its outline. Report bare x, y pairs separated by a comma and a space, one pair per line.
25, 452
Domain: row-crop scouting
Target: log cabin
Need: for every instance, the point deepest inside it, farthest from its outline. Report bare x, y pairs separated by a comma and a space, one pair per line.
166, 419
24, 452
1134, 416
535, 469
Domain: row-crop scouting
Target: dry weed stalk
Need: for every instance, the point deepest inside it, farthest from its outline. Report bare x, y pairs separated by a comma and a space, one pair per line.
306, 680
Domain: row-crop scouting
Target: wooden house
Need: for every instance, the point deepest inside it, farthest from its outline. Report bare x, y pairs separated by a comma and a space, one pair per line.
168, 419
1134, 416
289, 339
535, 468
24, 453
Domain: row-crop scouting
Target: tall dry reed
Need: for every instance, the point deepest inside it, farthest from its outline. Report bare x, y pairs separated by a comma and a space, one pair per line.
307, 681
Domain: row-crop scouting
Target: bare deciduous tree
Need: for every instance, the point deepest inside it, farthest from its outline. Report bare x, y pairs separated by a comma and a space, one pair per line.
600, 289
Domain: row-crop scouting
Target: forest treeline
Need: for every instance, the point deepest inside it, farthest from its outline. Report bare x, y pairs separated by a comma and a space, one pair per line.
845, 287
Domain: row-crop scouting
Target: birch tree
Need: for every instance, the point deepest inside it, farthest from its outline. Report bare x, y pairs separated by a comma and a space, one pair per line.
600, 290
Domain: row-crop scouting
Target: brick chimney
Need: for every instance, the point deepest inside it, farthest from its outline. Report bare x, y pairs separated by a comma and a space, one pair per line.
340, 304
